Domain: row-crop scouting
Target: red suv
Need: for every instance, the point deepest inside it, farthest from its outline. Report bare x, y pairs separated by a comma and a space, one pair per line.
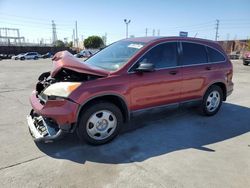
95, 97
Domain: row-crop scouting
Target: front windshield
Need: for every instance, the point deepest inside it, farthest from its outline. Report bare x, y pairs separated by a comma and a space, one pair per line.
114, 56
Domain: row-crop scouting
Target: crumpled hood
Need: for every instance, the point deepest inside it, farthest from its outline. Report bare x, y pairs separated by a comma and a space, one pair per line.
64, 59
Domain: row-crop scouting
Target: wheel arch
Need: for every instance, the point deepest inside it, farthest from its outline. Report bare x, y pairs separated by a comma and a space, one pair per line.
116, 99
223, 87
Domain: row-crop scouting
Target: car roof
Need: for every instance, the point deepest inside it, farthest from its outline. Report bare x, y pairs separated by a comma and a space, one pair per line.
161, 38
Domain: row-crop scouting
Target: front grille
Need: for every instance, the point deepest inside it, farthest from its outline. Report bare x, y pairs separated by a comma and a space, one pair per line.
40, 125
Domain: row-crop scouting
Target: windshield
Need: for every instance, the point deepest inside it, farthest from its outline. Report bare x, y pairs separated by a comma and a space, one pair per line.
114, 56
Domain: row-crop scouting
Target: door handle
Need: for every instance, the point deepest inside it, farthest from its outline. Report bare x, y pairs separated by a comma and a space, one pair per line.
173, 72
208, 68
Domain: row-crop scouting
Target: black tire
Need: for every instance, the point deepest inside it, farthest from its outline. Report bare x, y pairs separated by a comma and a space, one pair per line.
245, 63
35, 58
204, 109
85, 114
22, 58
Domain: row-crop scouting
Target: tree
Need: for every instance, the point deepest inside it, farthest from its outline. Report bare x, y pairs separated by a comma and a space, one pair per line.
248, 45
59, 43
69, 44
93, 42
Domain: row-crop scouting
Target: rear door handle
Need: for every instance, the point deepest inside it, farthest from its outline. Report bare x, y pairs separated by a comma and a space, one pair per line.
173, 72
208, 68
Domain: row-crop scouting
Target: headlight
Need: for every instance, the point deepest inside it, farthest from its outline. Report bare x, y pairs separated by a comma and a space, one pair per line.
61, 89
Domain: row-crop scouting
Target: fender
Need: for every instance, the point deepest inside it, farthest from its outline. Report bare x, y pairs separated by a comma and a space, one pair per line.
124, 101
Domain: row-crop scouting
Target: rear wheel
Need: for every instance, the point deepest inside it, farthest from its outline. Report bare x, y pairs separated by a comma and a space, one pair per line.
99, 123
212, 100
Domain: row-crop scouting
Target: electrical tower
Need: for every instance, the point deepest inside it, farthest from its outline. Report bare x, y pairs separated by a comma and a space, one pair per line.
217, 30
146, 32
54, 35
10, 36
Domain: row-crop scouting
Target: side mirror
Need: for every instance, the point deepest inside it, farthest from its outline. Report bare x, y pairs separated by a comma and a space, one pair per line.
145, 67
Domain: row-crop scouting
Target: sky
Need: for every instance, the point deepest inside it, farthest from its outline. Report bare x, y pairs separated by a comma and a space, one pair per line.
97, 17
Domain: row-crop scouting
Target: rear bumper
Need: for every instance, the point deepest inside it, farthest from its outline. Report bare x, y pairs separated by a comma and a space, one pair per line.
246, 60
230, 88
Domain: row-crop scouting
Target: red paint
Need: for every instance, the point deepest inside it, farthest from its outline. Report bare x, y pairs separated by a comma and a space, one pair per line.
138, 90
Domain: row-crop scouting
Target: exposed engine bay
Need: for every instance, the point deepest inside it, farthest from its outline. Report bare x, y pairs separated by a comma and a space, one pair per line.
64, 75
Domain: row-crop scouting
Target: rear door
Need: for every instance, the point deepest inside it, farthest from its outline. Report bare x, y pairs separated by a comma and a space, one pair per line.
150, 89
196, 70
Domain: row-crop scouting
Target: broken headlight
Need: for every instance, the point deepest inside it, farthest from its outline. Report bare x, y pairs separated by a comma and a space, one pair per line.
60, 89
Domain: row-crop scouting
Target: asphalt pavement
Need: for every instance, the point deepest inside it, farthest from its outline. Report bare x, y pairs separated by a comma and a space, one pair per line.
162, 148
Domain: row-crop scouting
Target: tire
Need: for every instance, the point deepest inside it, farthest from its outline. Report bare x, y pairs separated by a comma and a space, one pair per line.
245, 63
212, 101
91, 132
35, 58
22, 58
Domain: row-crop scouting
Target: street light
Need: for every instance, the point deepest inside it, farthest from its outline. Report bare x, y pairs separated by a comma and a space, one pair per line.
127, 22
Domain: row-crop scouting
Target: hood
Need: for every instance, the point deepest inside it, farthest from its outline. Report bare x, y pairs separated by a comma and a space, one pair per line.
66, 60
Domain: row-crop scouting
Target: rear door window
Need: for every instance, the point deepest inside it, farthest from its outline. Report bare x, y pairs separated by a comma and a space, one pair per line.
214, 55
193, 53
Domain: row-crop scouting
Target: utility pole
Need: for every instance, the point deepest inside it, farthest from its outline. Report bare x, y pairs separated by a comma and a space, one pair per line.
158, 32
76, 36
73, 38
217, 29
54, 35
106, 36
153, 32
146, 32
127, 22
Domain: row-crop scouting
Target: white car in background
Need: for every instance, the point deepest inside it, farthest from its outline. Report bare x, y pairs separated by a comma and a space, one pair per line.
16, 57
30, 55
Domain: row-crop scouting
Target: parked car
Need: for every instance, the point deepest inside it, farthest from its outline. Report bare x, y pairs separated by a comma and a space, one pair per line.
16, 57
97, 97
5, 56
47, 55
246, 58
234, 55
30, 55
83, 53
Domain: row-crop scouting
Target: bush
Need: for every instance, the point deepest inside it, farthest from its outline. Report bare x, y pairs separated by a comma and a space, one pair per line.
93, 42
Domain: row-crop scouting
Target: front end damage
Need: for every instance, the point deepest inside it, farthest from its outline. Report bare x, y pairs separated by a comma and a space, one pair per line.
42, 129
53, 112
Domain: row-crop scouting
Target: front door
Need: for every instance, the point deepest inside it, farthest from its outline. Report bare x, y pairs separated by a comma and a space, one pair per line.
160, 87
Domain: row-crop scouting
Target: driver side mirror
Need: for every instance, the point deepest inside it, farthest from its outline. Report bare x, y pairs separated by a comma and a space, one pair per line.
145, 67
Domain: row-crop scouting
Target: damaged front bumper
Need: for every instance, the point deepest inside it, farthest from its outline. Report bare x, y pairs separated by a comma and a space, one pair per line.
42, 129
51, 120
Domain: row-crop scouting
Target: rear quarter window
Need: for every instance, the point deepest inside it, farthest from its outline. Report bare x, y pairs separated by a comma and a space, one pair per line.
193, 53
214, 55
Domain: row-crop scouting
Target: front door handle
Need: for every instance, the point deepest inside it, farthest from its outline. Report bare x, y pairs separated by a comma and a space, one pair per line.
173, 72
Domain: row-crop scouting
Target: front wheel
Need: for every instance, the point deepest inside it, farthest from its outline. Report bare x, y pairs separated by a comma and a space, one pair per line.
99, 123
212, 101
